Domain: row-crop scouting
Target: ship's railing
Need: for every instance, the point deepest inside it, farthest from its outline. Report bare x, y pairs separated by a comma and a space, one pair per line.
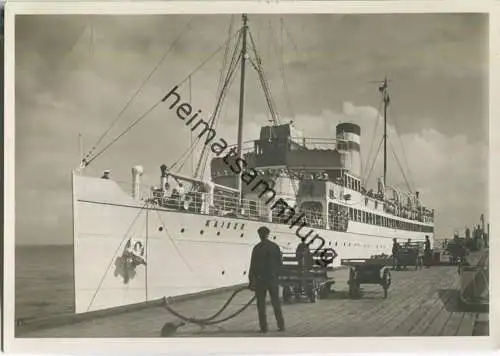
416, 214
204, 203
313, 143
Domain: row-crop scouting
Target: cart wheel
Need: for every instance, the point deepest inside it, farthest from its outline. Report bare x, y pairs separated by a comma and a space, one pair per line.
286, 294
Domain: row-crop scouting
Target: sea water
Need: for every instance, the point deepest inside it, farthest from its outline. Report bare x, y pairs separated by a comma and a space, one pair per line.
44, 281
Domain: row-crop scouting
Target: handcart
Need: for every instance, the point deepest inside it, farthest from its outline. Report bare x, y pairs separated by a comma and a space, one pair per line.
311, 278
410, 255
367, 271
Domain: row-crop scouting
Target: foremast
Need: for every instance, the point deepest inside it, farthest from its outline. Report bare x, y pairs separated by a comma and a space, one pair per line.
242, 99
385, 97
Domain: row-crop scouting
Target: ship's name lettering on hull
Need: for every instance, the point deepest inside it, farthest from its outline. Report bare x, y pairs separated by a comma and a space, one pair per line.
227, 224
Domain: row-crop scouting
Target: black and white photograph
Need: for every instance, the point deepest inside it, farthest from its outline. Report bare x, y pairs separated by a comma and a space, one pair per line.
250, 175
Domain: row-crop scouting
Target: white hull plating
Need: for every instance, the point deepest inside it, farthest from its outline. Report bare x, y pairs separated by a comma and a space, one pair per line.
185, 253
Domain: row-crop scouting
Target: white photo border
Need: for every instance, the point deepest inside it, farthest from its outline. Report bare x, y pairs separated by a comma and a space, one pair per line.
248, 345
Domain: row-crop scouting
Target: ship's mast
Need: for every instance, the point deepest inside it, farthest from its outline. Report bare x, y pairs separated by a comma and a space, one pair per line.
242, 95
383, 89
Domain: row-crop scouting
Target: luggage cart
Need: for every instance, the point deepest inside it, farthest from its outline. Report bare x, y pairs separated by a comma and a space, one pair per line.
312, 279
410, 255
367, 271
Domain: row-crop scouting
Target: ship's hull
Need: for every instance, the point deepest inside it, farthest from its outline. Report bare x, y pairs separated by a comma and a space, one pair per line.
184, 253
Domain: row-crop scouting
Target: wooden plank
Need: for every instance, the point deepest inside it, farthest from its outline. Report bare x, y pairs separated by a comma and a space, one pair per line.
401, 290
451, 327
387, 318
481, 325
439, 322
433, 311
466, 327
412, 313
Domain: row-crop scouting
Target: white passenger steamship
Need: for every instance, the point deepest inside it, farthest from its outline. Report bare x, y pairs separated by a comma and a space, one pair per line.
191, 235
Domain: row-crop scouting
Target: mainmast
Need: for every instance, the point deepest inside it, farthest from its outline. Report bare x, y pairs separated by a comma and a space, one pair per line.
383, 89
242, 95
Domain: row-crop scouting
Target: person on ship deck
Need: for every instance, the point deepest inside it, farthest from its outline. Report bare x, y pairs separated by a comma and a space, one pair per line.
105, 174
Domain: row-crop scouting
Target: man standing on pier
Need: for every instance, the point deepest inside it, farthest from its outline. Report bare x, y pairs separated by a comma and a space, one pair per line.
304, 260
263, 277
427, 251
395, 253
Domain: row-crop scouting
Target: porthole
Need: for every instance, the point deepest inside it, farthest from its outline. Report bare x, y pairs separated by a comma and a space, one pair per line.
274, 237
207, 223
244, 272
228, 225
182, 230
242, 235
242, 226
160, 228
223, 272
235, 226
201, 232
218, 233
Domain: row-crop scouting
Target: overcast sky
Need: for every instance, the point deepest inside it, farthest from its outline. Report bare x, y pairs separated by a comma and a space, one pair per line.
75, 73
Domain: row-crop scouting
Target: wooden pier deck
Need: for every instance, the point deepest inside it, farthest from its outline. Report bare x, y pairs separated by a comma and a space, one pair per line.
420, 303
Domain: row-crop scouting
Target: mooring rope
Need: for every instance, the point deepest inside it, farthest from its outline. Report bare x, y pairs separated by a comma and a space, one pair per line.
209, 320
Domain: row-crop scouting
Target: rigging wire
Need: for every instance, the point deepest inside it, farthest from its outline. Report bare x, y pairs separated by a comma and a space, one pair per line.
139, 89
375, 160
148, 111
367, 162
230, 76
400, 167
174, 243
265, 86
114, 254
230, 82
396, 128
221, 97
190, 149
